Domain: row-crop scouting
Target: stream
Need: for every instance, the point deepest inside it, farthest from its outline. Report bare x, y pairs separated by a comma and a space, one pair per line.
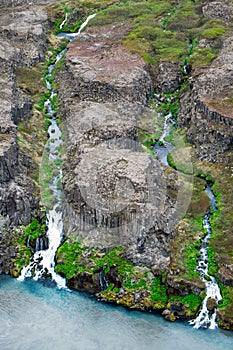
42, 262
207, 318
38, 316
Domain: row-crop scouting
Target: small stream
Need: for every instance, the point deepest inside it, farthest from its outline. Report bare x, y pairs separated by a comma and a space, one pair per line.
162, 147
42, 262
206, 317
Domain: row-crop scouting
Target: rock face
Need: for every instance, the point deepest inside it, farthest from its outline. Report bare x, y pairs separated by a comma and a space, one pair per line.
115, 194
207, 108
22, 43
103, 70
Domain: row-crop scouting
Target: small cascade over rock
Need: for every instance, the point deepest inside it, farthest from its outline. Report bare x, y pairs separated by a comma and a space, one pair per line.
71, 36
207, 315
162, 147
42, 262
102, 281
64, 21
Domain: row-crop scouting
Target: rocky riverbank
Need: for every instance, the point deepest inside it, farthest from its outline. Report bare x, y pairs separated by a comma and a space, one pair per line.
125, 238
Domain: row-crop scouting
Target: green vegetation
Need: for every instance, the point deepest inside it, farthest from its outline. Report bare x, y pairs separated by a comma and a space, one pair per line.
73, 259
158, 293
191, 303
163, 30
27, 234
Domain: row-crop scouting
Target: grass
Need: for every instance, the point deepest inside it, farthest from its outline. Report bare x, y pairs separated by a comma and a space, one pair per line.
73, 259
162, 30
190, 302
29, 233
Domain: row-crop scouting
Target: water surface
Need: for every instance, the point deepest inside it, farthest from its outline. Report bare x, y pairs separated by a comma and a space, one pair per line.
37, 317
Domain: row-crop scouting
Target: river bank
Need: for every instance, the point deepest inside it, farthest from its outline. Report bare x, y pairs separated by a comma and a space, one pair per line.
121, 209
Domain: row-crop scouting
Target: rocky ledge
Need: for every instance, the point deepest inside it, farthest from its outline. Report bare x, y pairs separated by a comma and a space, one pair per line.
22, 43
207, 109
120, 204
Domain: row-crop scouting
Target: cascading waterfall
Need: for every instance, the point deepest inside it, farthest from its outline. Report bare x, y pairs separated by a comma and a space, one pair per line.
64, 21
42, 263
207, 318
162, 147
71, 36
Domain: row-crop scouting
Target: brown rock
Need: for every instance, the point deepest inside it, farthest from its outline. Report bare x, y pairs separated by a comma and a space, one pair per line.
211, 304
101, 69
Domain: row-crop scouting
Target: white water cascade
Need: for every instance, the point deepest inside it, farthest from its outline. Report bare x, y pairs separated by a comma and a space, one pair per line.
64, 21
207, 318
71, 36
162, 147
42, 262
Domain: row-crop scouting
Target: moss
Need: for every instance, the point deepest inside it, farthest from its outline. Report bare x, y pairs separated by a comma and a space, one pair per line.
203, 57
158, 293
25, 235
190, 302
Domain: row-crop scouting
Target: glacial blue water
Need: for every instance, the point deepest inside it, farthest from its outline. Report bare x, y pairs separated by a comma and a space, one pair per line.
38, 317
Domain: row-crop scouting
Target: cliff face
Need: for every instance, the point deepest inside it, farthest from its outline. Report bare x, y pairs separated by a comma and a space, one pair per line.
22, 43
115, 195
208, 116
206, 110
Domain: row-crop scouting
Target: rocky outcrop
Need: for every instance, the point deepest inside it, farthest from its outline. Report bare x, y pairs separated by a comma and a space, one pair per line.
167, 76
115, 194
111, 187
207, 109
22, 43
219, 10
102, 70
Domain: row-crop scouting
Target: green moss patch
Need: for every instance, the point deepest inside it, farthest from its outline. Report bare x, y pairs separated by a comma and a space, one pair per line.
22, 239
74, 259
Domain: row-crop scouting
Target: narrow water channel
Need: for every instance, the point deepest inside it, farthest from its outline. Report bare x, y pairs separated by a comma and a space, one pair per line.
42, 262
207, 315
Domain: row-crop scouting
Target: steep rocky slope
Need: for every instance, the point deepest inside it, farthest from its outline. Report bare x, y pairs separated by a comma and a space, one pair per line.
124, 235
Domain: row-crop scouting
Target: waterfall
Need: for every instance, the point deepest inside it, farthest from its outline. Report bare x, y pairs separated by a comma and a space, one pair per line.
64, 21
42, 262
102, 281
71, 36
162, 147
207, 318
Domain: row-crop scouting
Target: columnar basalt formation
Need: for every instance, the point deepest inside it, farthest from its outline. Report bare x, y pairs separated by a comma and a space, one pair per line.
115, 194
207, 109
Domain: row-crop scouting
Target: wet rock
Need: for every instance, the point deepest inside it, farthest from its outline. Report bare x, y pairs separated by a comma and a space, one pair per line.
211, 304
169, 315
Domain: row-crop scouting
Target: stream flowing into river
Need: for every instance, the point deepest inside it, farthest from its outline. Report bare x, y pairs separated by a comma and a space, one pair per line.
42, 262
207, 316
36, 317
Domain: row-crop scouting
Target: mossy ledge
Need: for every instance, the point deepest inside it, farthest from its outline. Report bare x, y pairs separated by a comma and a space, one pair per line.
114, 279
